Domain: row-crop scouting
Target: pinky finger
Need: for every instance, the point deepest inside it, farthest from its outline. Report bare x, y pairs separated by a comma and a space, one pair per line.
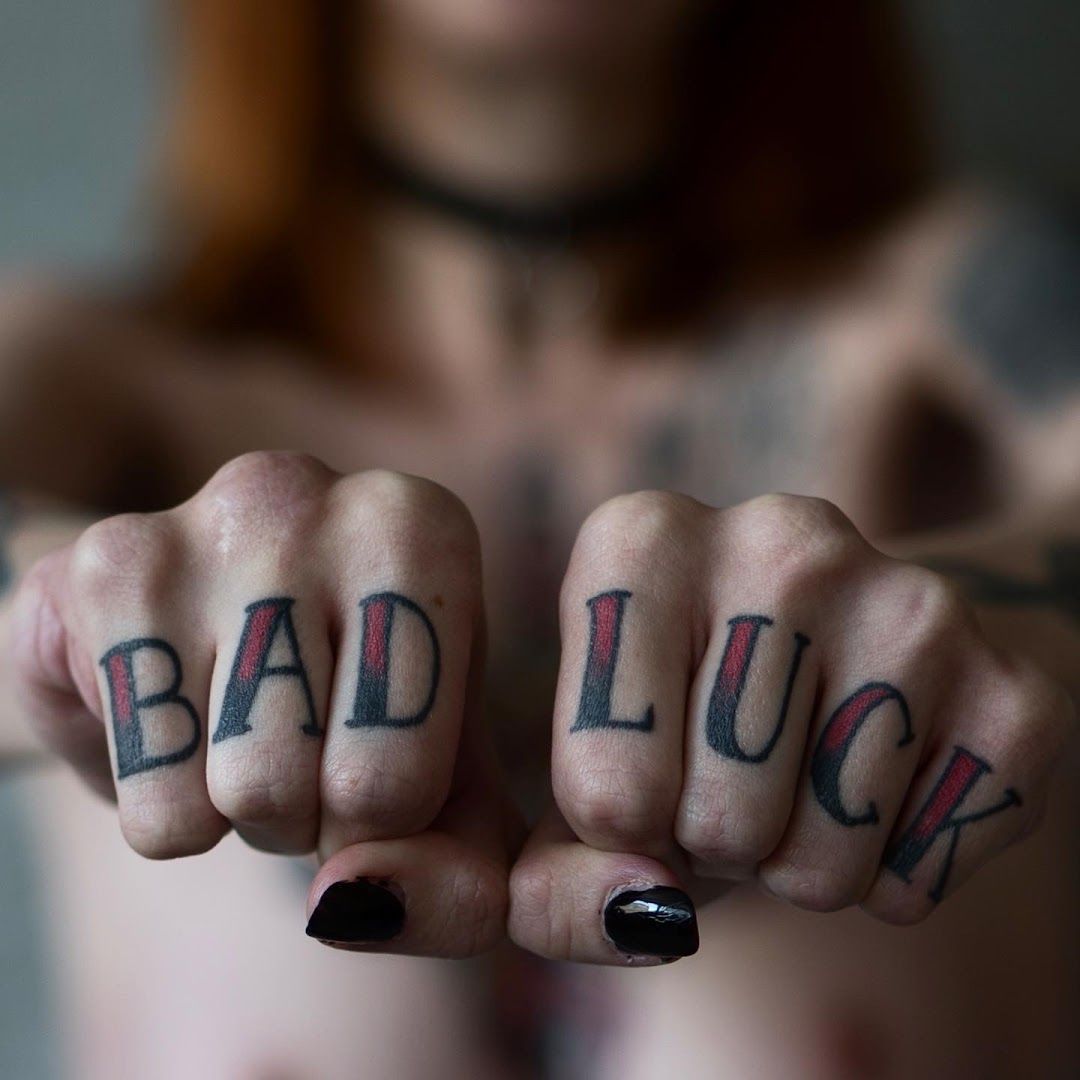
983, 788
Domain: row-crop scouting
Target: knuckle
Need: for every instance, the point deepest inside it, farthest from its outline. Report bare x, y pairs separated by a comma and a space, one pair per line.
476, 907
412, 515
715, 836
377, 802
265, 493
170, 831
898, 908
803, 542
39, 652
613, 806
816, 888
636, 526
1038, 715
930, 607
534, 895
126, 554
257, 796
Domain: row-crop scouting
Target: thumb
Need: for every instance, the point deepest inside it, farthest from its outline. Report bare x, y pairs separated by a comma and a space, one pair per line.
572, 902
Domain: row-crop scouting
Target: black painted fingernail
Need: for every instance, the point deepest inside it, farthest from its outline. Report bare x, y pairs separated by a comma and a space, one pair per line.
660, 921
356, 911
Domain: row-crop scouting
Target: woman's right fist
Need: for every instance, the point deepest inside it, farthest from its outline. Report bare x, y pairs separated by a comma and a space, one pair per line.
295, 654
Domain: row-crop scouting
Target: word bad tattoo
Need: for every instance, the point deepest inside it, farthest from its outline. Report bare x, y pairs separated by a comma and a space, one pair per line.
138, 699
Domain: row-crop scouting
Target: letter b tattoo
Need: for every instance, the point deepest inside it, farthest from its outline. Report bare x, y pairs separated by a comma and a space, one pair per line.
129, 709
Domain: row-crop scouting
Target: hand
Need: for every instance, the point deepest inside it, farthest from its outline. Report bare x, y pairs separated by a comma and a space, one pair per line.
756, 693
294, 654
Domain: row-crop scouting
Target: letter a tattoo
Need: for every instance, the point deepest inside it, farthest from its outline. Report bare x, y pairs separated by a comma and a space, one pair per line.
128, 708
373, 680
731, 680
605, 629
265, 620
938, 815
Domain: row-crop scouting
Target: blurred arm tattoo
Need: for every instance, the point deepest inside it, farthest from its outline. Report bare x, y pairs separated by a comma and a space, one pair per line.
1016, 302
1059, 589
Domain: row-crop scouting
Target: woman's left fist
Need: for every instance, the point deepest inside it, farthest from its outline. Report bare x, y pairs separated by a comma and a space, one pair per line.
757, 692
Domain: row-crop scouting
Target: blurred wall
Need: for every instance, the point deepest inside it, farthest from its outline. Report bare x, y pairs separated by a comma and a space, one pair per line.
79, 86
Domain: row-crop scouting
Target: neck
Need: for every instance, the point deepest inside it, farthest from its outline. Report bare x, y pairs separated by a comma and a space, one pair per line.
512, 130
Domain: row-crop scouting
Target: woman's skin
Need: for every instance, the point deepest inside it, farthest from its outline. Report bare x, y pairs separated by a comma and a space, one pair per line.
886, 389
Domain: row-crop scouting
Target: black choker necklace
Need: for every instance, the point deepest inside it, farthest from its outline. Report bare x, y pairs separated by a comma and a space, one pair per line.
627, 202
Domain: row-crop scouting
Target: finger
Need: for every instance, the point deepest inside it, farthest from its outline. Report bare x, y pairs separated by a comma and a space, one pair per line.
630, 619
984, 787
155, 656
569, 901
405, 579
441, 892
884, 689
753, 695
271, 681
54, 677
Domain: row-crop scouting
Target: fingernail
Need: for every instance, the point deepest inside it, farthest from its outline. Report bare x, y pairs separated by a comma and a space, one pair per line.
356, 911
660, 921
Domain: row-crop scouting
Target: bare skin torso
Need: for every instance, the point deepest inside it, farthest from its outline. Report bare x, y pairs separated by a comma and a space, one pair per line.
852, 395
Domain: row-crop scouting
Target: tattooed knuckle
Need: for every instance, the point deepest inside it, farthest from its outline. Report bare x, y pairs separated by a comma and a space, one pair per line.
135, 553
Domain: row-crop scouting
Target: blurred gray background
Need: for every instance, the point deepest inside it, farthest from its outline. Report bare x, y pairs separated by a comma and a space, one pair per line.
80, 82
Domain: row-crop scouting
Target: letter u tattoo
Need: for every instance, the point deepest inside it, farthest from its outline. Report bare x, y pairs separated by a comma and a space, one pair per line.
731, 681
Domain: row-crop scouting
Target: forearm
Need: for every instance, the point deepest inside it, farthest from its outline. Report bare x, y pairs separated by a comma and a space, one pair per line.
1023, 576
29, 528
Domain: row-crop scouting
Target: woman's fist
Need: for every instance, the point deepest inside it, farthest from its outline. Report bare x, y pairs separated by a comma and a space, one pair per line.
758, 693
293, 654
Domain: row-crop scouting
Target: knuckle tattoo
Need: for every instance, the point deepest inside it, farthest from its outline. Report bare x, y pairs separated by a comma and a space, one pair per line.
130, 554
